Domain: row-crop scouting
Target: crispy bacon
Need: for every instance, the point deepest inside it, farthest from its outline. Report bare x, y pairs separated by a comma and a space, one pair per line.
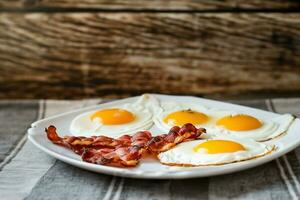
175, 136
78, 144
125, 151
120, 157
141, 139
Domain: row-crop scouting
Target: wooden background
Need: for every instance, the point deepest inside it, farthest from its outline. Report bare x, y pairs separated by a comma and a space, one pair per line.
88, 48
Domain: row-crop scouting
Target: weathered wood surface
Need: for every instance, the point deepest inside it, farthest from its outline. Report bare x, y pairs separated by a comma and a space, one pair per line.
154, 4
74, 55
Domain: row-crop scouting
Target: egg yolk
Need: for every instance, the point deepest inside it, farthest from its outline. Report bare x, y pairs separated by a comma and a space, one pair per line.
186, 116
219, 146
113, 116
239, 123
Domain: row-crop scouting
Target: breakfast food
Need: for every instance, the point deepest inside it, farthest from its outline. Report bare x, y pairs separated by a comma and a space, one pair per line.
80, 144
126, 150
175, 136
177, 114
116, 120
219, 122
197, 135
216, 151
246, 126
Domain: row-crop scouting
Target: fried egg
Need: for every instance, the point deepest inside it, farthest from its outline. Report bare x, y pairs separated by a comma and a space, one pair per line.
219, 122
216, 151
177, 114
117, 120
247, 126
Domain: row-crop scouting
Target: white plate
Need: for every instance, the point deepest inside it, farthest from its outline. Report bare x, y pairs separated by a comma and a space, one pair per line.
152, 169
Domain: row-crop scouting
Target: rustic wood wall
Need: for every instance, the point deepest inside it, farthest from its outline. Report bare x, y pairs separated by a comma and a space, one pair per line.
90, 48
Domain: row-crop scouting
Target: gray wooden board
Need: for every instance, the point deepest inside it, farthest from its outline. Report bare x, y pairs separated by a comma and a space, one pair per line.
63, 181
15, 118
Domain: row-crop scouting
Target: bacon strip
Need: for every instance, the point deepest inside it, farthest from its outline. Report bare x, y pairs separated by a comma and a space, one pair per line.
120, 157
175, 136
78, 144
125, 151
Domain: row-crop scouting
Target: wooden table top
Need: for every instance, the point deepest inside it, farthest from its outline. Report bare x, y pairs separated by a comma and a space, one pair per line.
83, 49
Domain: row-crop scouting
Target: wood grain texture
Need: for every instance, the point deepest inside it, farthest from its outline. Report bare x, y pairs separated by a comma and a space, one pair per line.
14, 117
154, 4
75, 55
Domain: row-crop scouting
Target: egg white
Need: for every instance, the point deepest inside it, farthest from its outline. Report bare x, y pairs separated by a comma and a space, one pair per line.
184, 154
143, 109
170, 107
210, 125
270, 128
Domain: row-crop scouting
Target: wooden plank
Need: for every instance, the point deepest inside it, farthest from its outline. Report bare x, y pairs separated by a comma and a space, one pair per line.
154, 4
15, 117
292, 159
139, 189
82, 184
32, 164
74, 55
285, 105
